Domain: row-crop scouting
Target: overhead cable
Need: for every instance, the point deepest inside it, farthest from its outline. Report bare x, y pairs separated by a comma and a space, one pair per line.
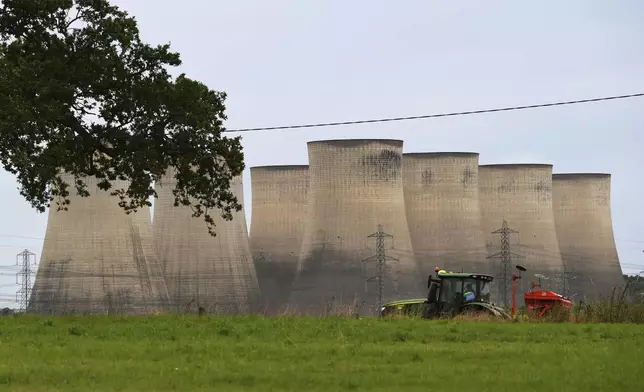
451, 114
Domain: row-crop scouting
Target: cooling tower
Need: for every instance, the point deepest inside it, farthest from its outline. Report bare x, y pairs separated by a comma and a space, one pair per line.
581, 203
521, 194
97, 259
354, 186
213, 274
276, 228
441, 199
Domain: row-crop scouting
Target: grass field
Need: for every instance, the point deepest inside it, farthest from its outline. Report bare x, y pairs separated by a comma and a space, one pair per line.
168, 353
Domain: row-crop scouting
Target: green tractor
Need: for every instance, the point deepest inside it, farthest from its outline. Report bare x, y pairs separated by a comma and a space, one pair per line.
450, 294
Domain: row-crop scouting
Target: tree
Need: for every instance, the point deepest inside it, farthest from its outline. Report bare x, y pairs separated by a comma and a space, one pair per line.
81, 94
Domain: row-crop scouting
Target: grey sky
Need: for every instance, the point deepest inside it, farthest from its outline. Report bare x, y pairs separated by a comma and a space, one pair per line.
288, 62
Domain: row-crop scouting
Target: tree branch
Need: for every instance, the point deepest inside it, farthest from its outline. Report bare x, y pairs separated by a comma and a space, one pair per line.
79, 129
76, 18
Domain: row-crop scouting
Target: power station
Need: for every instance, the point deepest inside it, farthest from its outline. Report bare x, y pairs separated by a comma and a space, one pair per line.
97, 259
279, 201
204, 273
361, 224
521, 195
442, 204
582, 209
355, 187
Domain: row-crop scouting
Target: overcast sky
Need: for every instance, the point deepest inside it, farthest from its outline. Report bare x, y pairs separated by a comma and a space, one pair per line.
292, 61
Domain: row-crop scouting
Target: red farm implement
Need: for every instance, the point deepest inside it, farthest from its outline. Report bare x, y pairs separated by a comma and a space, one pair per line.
539, 302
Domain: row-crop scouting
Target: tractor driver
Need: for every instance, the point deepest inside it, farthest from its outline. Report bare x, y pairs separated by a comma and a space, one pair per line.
469, 294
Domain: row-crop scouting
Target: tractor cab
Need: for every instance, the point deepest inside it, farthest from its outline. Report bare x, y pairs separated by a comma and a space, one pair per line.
450, 294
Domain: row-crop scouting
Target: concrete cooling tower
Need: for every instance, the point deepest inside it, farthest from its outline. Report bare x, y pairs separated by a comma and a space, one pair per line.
276, 228
441, 199
214, 274
581, 203
354, 186
97, 259
521, 194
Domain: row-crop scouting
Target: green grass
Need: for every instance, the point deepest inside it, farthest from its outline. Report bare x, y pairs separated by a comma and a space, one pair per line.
167, 353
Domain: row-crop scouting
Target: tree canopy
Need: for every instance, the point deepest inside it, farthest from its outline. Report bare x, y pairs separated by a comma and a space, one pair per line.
80, 93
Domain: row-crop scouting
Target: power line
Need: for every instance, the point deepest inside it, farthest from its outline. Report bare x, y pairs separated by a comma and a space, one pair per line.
19, 236
626, 240
451, 114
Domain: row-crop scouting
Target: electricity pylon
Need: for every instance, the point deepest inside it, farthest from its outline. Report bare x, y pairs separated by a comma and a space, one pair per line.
505, 273
563, 279
381, 259
25, 260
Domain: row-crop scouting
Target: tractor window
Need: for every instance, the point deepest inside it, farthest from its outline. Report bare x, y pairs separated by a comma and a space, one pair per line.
480, 288
450, 289
451, 295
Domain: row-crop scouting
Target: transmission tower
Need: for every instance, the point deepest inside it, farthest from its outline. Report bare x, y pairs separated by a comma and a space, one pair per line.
25, 261
563, 279
505, 273
381, 259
